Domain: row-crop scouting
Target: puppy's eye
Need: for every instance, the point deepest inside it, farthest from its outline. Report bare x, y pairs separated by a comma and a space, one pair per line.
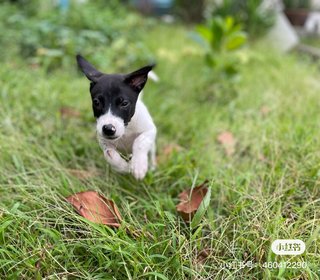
96, 102
124, 104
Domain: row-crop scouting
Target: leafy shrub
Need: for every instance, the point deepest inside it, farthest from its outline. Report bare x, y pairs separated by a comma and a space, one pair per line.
189, 10
249, 13
221, 37
51, 37
297, 4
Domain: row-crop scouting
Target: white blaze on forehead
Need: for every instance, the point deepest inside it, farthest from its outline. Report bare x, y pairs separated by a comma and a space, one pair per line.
109, 118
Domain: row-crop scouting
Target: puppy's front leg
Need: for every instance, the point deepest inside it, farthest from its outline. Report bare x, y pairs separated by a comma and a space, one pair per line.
140, 149
115, 160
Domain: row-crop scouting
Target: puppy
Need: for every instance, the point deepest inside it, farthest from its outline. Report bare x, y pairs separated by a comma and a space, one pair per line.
123, 121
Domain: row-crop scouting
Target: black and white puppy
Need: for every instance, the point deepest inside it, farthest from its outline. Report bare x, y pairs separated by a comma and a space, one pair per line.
123, 121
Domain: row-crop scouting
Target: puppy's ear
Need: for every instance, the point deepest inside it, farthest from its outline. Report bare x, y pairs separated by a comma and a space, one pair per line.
91, 73
137, 79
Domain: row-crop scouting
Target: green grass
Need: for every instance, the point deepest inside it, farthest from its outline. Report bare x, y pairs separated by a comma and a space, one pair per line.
254, 201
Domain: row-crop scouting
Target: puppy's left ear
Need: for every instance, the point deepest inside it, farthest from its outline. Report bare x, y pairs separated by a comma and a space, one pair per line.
91, 73
137, 79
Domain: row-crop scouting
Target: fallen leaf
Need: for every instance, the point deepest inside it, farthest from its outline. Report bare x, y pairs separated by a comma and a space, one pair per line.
83, 174
96, 208
264, 110
261, 157
264, 159
168, 150
69, 112
40, 260
228, 142
203, 255
190, 201
171, 148
34, 66
42, 256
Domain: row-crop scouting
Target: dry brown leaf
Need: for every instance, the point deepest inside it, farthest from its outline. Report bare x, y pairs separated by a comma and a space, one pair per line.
167, 151
190, 201
34, 66
171, 148
261, 157
40, 260
83, 174
227, 140
203, 255
96, 208
264, 110
69, 112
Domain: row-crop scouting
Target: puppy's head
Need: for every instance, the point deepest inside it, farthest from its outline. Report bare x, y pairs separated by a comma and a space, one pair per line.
114, 97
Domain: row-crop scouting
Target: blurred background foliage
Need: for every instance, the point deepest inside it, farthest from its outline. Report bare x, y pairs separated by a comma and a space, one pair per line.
47, 34
222, 39
297, 4
250, 13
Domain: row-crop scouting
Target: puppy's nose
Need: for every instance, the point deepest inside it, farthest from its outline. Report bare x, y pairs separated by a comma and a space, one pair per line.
108, 130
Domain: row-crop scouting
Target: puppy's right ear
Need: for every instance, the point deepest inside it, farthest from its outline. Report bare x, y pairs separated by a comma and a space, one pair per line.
91, 73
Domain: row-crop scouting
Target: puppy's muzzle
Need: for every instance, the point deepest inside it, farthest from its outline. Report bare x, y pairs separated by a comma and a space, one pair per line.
109, 131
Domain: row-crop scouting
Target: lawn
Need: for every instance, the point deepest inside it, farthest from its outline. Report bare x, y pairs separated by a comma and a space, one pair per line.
267, 189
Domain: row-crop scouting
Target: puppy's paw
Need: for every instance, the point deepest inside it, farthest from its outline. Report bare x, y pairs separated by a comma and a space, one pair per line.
116, 161
111, 154
139, 166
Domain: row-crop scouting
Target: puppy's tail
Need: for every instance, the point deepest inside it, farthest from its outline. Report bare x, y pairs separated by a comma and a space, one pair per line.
153, 76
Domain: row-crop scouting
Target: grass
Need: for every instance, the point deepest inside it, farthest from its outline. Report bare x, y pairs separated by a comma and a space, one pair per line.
269, 189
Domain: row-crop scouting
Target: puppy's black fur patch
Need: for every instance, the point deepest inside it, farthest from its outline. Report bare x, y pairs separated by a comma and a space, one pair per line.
117, 92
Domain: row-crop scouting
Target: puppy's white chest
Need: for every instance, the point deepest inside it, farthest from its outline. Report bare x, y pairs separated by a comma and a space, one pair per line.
126, 142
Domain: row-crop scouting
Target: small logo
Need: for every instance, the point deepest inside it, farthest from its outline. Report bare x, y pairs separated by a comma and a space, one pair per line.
288, 247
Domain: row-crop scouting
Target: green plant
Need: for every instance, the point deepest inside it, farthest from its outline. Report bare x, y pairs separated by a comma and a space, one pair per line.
189, 10
249, 13
221, 38
297, 4
50, 38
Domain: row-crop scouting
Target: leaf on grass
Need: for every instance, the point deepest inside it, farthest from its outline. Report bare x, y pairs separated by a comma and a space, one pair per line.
96, 208
203, 255
264, 159
171, 148
83, 174
191, 204
201, 210
264, 110
227, 140
69, 112
40, 260
168, 150
261, 157
34, 66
